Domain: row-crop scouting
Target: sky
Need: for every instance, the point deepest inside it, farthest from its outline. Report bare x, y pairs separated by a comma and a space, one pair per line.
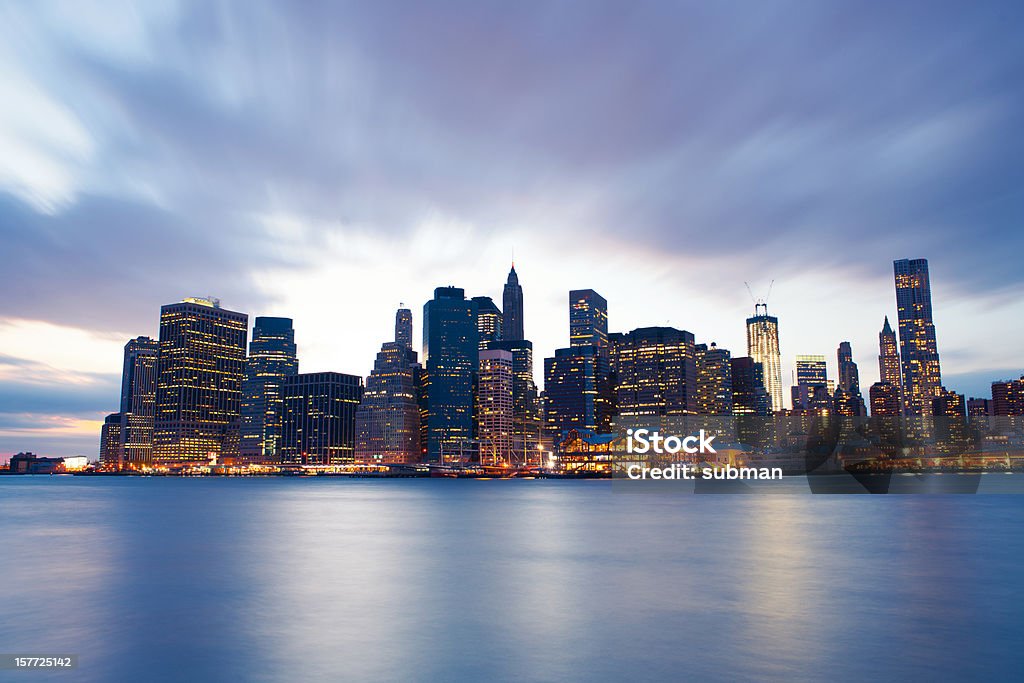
327, 162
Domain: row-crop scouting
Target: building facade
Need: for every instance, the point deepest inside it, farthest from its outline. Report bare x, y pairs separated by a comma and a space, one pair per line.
655, 373
495, 407
578, 393
512, 304
922, 378
451, 357
488, 321
138, 401
588, 321
714, 380
199, 381
272, 360
319, 422
763, 347
388, 418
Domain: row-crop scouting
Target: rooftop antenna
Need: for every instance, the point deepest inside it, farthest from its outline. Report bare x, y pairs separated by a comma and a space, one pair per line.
760, 304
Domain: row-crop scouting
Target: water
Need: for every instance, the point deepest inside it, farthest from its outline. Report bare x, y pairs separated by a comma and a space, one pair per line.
277, 579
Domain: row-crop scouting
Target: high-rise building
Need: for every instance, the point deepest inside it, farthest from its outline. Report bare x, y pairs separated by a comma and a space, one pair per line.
488, 321
577, 391
885, 400
811, 391
1008, 397
495, 407
138, 401
199, 381
526, 414
888, 356
714, 380
748, 393
656, 373
111, 445
272, 359
388, 418
451, 355
512, 303
319, 423
588, 321
922, 379
403, 326
763, 347
979, 409
849, 375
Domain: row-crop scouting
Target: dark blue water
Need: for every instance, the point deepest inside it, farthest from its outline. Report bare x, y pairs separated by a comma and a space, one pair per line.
441, 580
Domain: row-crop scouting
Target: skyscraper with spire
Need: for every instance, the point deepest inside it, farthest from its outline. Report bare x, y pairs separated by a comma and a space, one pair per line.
763, 347
512, 305
922, 378
888, 356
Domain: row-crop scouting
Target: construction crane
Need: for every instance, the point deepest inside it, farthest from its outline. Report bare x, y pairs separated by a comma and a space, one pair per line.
760, 303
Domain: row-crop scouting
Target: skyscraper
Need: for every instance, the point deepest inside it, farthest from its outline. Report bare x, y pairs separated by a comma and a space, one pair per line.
388, 418
272, 359
748, 393
577, 391
588, 320
488, 321
1008, 397
656, 373
714, 380
763, 347
888, 356
403, 326
451, 353
512, 304
111, 444
847, 397
199, 381
922, 379
811, 391
138, 401
849, 375
319, 423
526, 414
495, 407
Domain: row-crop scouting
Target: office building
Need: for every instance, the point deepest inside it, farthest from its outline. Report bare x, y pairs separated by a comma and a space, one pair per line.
451, 357
763, 347
388, 418
1008, 397
512, 304
319, 422
889, 356
199, 381
655, 373
111, 445
588, 321
138, 401
495, 407
714, 380
527, 416
403, 326
922, 380
488, 321
577, 391
272, 359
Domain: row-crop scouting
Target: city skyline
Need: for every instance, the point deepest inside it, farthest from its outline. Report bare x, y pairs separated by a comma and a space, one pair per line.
328, 164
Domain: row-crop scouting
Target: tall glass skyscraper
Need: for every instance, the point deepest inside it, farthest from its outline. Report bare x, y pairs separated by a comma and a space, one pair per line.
451, 353
763, 347
388, 418
272, 359
922, 379
588, 320
138, 401
512, 303
577, 390
199, 381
